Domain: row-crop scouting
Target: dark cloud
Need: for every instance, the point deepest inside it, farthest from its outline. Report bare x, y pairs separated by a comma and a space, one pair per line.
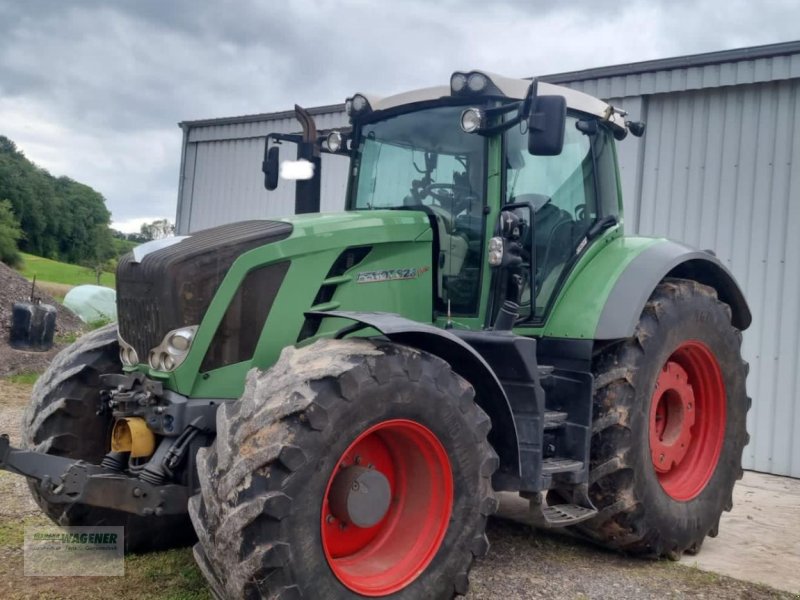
94, 89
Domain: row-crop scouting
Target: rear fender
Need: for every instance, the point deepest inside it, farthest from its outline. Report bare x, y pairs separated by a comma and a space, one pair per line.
466, 362
633, 287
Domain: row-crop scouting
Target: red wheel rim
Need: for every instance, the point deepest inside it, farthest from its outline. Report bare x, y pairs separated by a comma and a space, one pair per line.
687, 420
385, 558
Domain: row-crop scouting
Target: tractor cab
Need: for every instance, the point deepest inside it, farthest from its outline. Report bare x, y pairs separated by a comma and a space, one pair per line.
467, 154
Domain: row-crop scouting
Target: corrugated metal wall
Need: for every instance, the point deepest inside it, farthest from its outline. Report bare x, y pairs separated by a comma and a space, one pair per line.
222, 178
721, 170
719, 167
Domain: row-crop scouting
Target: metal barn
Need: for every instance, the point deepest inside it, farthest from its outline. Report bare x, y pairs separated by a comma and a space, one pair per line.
719, 167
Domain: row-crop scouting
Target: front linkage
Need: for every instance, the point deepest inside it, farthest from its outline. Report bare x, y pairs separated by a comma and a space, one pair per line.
160, 485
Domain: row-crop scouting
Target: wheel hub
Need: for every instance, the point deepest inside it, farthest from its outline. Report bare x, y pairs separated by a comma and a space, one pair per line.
387, 507
672, 419
360, 496
687, 420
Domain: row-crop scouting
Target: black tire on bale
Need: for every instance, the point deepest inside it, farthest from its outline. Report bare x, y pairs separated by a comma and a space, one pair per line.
61, 419
280, 513
669, 425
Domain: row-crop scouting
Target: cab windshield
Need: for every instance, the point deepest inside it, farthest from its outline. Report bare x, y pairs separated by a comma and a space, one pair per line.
423, 160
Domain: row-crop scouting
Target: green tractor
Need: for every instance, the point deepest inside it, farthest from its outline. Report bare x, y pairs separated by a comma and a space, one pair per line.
329, 402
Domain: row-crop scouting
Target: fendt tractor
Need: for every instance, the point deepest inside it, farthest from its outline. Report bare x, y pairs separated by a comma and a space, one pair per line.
327, 403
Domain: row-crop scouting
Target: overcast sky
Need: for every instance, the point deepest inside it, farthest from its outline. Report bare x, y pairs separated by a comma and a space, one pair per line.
94, 90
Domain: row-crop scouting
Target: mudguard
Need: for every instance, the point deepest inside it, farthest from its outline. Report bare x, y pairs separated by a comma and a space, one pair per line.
633, 287
466, 362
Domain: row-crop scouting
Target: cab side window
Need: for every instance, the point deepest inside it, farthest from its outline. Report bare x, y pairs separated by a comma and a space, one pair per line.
562, 191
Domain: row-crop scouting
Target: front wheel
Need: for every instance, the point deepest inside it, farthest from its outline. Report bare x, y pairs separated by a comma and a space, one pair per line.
670, 407
351, 468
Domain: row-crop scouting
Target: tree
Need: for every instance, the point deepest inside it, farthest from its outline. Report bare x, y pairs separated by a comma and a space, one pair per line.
10, 235
157, 230
60, 218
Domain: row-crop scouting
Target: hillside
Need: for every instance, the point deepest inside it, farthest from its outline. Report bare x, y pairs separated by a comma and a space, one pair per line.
52, 271
59, 217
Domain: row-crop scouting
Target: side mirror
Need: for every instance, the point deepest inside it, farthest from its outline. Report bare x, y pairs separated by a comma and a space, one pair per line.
270, 167
546, 125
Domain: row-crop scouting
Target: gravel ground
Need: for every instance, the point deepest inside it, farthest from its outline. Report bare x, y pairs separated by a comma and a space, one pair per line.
15, 288
523, 563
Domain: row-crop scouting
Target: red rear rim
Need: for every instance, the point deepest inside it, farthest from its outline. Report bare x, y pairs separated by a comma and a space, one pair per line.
687, 420
385, 558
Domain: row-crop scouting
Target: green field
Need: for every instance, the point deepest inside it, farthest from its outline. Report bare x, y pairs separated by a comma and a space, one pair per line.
52, 271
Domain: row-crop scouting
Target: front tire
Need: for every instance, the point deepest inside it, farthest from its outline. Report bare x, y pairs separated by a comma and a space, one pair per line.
669, 425
268, 520
62, 419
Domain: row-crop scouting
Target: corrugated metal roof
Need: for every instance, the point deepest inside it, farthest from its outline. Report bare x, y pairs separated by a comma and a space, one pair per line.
696, 71
679, 62
285, 114
716, 69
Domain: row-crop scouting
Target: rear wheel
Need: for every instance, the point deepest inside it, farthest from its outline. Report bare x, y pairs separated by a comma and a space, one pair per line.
338, 474
62, 419
670, 407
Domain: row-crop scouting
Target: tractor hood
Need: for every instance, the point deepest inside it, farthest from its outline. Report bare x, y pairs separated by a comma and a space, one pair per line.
220, 284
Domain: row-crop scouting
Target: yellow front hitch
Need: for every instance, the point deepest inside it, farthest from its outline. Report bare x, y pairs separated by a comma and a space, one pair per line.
131, 434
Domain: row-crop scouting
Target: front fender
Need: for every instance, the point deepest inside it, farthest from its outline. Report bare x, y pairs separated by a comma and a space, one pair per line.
467, 363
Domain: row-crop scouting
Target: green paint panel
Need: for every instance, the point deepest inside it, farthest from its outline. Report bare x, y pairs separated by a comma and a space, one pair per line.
398, 240
578, 306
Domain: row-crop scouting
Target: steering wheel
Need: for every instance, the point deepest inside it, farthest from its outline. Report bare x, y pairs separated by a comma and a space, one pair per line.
445, 192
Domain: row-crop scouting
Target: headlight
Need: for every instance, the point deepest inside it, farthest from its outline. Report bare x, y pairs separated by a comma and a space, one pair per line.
357, 105
477, 82
335, 141
473, 83
495, 251
457, 82
172, 351
127, 354
471, 120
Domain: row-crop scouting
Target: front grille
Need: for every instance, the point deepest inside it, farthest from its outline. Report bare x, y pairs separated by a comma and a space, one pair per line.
173, 287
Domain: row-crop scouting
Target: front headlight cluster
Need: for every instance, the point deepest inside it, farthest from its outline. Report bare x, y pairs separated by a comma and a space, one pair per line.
172, 351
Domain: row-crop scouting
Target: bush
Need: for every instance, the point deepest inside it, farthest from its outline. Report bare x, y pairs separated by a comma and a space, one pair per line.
10, 235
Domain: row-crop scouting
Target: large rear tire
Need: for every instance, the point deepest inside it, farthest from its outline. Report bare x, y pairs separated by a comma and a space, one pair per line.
62, 419
669, 425
276, 517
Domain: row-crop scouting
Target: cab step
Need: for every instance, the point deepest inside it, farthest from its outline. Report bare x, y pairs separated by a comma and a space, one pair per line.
551, 466
559, 515
554, 419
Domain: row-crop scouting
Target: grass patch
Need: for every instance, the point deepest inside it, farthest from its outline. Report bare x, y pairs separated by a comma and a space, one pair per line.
12, 533
171, 574
23, 378
68, 338
57, 272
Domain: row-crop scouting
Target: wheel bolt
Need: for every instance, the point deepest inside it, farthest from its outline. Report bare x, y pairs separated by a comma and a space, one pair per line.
661, 458
329, 519
357, 460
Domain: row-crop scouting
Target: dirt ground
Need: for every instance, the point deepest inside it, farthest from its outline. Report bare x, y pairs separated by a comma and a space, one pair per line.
15, 288
523, 563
